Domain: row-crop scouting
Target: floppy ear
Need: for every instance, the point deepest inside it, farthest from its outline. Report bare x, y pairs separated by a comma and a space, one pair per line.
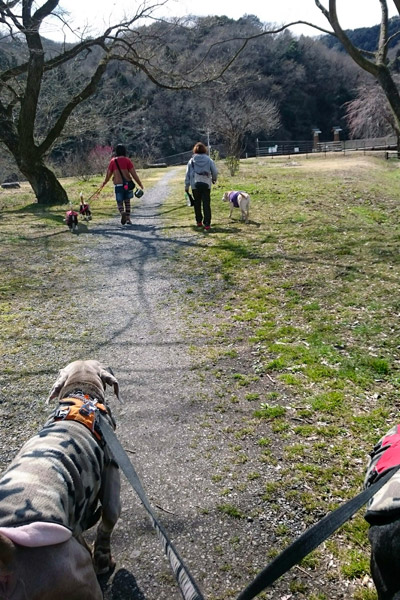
58, 385
107, 377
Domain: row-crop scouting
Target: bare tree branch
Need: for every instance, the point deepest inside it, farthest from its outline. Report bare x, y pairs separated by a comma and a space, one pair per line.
381, 55
377, 63
369, 114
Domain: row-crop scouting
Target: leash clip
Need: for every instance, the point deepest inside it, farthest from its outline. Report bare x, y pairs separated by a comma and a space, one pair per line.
88, 408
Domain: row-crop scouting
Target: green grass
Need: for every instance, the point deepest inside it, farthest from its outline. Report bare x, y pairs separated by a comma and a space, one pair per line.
269, 412
230, 510
310, 300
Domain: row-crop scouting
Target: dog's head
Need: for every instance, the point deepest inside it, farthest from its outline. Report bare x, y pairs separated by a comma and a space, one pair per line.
225, 197
86, 375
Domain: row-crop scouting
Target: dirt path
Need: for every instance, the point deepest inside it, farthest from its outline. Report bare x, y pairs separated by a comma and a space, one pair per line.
194, 446
137, 300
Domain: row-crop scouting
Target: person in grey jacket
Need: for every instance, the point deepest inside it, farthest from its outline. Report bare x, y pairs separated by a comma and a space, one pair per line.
201, 172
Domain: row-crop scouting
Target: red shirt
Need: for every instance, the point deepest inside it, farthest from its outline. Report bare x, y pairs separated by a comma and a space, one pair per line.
123, 161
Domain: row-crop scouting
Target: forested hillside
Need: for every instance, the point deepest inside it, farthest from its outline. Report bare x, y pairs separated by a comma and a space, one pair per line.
304, 80
365, 37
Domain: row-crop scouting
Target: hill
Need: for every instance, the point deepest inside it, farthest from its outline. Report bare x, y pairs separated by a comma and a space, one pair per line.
308, 82
365, 38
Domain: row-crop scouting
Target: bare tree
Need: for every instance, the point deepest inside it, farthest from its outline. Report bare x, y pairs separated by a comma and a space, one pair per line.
31, 123
231, 115
376, 63
29, 127
369, 114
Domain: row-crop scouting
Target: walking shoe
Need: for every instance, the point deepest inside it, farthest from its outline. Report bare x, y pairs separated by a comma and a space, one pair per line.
123, 218
128, 221
207, 228
199, 224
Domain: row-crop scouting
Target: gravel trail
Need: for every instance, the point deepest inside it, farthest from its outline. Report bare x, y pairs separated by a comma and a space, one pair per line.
189, 440
138, 302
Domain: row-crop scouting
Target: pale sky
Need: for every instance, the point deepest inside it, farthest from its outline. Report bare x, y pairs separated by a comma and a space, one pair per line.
96, 14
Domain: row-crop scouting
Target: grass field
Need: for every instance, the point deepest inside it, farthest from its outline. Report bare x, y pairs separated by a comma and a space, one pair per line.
305, 298
301, 318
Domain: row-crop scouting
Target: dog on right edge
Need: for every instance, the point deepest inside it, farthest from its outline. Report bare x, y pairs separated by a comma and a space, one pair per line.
238, 199
383, 516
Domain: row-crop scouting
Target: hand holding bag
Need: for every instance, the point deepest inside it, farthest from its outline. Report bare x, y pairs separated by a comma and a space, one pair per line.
189, 199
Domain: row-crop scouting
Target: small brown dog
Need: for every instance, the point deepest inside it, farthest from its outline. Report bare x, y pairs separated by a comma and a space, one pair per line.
60, 483
239, 200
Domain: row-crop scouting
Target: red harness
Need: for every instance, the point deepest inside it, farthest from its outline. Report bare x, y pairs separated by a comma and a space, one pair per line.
391, 456
385, 455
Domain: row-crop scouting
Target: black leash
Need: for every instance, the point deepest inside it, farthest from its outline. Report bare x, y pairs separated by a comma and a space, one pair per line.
312, 538
293, 554
187, 585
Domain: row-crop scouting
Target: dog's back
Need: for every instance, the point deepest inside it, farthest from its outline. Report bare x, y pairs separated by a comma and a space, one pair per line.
383, 515
54, 481
238, 199
70, 457
60, 483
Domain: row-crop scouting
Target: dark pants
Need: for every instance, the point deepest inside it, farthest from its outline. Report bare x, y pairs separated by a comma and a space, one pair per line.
202, 204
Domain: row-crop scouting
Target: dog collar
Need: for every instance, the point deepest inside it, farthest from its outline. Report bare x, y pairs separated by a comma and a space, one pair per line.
82, 409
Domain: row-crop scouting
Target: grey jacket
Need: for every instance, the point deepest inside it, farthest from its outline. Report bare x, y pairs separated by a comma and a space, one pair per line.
200, 163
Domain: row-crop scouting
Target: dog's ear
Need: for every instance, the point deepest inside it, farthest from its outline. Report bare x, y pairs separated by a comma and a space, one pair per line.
107, 377
58, 385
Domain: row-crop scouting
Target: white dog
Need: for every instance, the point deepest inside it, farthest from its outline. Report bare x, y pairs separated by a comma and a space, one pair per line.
238, 200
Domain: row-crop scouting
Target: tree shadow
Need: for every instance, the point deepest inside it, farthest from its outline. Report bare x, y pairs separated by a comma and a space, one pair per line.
122, 587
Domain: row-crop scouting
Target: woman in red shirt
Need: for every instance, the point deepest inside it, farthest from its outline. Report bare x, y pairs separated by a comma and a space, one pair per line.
121, 169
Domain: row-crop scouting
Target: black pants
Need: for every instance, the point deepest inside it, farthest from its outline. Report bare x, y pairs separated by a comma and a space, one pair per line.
202, 204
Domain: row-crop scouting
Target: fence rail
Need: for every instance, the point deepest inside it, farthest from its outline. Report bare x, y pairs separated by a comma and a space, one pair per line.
383, 143
290, 148
278, 148
275, 148
183, 157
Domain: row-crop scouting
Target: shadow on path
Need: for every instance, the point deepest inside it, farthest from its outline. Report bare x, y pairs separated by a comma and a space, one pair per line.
122, 587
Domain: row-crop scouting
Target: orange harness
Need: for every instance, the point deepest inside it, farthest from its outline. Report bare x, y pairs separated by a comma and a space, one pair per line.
84, 410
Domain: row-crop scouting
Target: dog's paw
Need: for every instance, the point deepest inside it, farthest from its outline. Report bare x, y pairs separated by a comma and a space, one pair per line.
103, 563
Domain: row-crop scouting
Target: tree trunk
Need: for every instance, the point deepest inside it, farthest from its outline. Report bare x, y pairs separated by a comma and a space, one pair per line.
45, 184
391, 91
